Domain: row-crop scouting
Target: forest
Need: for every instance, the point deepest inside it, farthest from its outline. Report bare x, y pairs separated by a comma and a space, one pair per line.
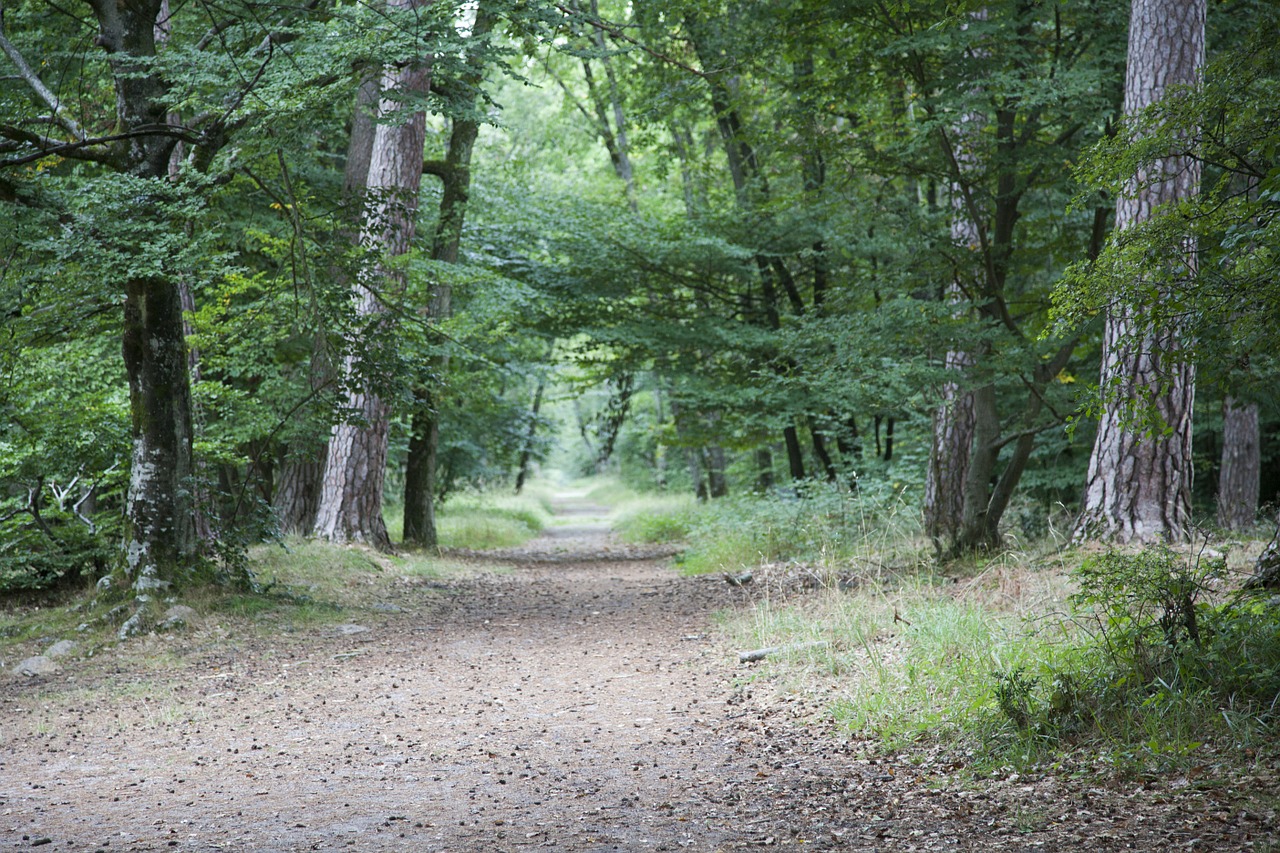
1004, 272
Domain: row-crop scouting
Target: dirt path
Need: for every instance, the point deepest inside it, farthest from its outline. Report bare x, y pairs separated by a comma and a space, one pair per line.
577, 703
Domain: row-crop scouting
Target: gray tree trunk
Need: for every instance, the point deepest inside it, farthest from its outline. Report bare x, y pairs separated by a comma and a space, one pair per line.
1240, 478
1139, 483
297, 497
350, 507
161, 541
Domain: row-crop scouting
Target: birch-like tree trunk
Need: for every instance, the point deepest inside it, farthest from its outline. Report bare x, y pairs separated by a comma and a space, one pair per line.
1139, 482
1239, 480
355, 468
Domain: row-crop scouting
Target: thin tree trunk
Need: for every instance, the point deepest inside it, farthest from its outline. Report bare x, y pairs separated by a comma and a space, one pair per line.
764, 468
351, 494
526, 450
420, 481
1139, 483
1239, 480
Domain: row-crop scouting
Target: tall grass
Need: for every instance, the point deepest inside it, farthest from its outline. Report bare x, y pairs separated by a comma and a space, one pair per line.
1130, 663
828, 525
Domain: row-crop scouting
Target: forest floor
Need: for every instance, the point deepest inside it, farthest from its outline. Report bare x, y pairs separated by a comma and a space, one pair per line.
578, 700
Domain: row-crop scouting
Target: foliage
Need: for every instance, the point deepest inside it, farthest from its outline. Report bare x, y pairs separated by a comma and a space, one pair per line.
1157, 667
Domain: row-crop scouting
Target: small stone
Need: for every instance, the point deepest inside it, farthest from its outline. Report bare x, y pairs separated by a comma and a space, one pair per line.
347, 630
383, 607
177, 616
60, 649
38, 665
133, 626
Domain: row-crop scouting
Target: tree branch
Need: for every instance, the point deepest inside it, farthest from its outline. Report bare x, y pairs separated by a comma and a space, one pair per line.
33, 80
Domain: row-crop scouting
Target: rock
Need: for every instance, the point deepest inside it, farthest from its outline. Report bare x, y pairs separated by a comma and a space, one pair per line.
133, 626
177, 616
383, 607
38, 665
347, 630
116, 615
60, 649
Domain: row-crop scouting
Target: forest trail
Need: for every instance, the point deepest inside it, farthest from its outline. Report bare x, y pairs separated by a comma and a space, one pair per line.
577, 702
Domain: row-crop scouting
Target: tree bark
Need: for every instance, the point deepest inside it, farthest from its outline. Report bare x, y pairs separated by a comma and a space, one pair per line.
355, 469
526, 450
954, 419
1139, 482
1239, 480
297, 497
161, 543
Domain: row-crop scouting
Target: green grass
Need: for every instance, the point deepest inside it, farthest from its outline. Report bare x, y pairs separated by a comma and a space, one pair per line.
1005, 666
828, 527
655, 518
480, 521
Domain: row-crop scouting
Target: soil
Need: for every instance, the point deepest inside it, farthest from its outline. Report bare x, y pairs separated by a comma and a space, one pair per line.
581, 700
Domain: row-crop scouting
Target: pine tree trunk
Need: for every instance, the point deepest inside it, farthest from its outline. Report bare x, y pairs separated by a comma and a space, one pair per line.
1139, 482
355, 469
1239, 480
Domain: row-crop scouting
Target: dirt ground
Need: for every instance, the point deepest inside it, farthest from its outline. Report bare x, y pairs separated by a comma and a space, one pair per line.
579, 702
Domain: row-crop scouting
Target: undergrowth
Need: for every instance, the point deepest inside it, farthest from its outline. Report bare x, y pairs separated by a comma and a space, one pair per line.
819, 523
1125, 662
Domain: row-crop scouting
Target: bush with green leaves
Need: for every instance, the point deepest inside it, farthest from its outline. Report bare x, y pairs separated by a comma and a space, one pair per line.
1161, 660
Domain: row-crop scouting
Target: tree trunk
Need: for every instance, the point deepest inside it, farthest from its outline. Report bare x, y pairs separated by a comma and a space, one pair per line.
1139, 482
764, 470
297, 498
161, 545
526, 450
717, 482
1239, 480
355, 469
420, 478
954, 418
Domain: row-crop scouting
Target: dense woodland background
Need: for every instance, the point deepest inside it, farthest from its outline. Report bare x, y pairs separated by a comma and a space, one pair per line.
274, 268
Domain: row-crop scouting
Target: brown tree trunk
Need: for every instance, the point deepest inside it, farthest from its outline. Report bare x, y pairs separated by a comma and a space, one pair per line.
1139, 482
954, 419
355, 468
1239, 480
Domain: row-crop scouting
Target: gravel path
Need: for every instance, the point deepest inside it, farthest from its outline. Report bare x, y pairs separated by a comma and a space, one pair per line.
578, 702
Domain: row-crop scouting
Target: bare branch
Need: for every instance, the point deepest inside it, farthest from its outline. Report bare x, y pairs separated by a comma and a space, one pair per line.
65, 121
